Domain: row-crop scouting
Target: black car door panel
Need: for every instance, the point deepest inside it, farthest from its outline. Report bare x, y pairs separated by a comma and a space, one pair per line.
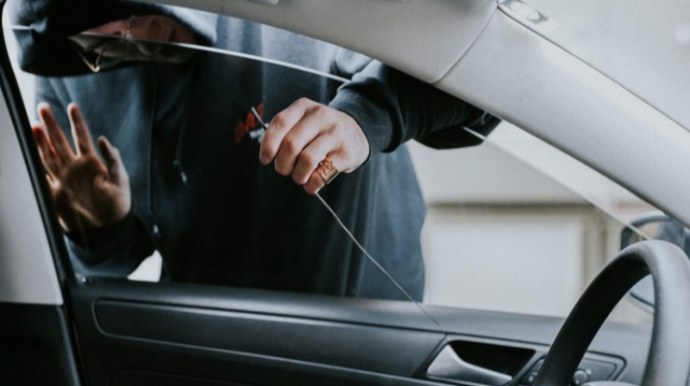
139, 332
175, 334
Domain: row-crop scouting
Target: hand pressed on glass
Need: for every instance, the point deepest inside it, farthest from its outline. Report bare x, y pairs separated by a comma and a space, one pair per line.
88, 192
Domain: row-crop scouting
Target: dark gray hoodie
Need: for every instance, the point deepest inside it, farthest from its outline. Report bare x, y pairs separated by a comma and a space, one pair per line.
201, 197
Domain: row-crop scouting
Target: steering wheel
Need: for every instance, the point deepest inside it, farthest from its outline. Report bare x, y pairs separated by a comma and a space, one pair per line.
668, 361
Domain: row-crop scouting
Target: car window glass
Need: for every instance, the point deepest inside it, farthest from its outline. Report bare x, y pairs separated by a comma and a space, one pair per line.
186, 121
512, 225
522, 227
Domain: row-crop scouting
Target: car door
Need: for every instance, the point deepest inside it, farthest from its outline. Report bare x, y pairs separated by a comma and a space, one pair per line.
76, 328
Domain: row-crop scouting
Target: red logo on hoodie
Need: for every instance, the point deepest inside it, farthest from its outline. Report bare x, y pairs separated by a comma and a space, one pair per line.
249, 124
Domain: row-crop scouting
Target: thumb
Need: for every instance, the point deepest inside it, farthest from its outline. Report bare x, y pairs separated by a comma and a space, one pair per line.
113, 161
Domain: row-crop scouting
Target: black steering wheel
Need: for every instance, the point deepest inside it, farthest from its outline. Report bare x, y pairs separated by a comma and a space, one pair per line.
668, 361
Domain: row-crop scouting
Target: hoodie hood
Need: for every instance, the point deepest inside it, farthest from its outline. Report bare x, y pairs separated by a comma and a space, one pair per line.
42, 28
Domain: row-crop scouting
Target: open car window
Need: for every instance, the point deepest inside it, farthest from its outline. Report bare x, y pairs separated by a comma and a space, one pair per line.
512, 225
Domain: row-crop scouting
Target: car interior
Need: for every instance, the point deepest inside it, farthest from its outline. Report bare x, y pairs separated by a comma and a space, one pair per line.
531, 244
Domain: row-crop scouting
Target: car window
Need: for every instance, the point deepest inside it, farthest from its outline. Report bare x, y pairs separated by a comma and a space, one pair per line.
174, 189
520, 226
511, 225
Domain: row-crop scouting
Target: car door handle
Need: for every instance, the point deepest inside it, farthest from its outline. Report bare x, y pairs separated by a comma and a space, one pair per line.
450, 367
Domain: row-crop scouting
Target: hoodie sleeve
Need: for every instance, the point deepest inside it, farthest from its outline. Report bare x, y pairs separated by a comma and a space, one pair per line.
113, 251
392, 107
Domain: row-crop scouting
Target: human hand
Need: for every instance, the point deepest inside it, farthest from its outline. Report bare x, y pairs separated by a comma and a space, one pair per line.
87, 192
301, 136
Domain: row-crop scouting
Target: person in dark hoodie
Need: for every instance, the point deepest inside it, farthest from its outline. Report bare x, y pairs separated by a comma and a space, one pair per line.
181, 174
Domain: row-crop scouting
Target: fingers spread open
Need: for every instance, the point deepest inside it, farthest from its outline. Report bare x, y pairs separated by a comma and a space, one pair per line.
62, 148
45, 150
113, 160
80, 130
